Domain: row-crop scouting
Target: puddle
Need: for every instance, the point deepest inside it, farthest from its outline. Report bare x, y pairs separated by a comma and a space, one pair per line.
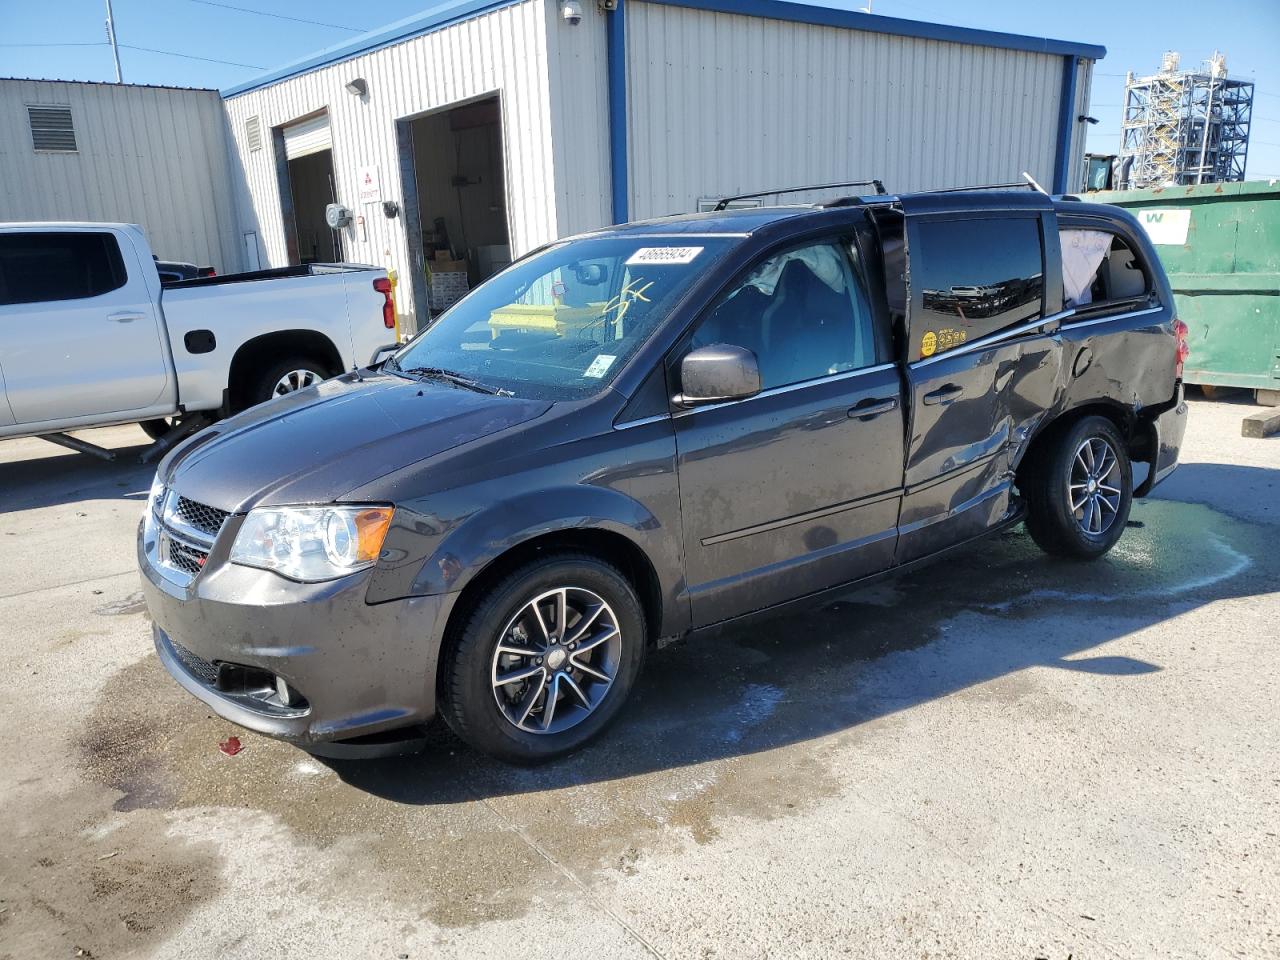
705, 740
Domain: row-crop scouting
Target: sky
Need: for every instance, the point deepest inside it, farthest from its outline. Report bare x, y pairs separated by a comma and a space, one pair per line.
221, 45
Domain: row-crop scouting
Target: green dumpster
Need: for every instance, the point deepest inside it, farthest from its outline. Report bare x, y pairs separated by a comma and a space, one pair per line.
1220, 245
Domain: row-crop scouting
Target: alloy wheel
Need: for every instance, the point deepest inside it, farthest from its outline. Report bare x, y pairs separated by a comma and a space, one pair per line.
555, 660
295, 380
1094, 488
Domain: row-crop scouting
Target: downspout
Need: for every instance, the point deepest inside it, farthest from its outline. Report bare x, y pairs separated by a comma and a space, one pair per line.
616, 68
1066, 123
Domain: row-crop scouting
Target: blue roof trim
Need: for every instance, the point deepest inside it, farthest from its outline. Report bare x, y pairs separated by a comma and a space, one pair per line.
1067, 123
453, 11
831, 17
437, 18
616, 54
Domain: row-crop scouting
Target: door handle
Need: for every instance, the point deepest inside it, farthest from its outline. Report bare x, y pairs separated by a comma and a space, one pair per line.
943, 395
870, 409
124, 317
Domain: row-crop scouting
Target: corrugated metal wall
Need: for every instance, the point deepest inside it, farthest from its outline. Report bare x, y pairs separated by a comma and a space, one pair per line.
724, 103
504, 51
153, 156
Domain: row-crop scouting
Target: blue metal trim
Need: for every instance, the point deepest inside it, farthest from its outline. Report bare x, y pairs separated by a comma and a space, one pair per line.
437, 18
1066, 124
616, 54
831, 17
455, 11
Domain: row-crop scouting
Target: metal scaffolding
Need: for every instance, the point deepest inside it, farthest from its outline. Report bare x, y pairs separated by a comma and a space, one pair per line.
1184, 126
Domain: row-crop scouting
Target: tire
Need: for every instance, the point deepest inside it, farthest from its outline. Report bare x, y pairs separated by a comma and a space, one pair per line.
155, 429
486, 713
301, 371
1059, 478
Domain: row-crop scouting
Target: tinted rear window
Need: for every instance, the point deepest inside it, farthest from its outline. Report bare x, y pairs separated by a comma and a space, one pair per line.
41, 267
973, 277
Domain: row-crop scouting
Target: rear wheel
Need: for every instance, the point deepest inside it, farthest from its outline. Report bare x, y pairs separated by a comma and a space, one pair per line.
545, 660
1079, 490
284, 377
155, 429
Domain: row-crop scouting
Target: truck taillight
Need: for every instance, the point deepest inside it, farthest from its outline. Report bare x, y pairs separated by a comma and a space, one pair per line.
383, 286
1184, 351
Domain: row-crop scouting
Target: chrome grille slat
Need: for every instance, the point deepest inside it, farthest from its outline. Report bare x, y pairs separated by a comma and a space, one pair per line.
186, 533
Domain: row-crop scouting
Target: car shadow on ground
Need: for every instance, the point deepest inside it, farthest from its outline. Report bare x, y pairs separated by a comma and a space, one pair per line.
979, 614
64, 477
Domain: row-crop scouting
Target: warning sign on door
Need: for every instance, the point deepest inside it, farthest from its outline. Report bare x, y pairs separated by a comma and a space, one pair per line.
370, 185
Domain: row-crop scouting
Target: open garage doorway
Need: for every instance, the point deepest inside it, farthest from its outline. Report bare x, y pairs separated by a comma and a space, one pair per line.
457, 216
305, 169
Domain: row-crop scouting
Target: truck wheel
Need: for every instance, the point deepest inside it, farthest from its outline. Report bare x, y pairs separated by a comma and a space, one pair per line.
1079, 491
545, 659
155, 429
286, 376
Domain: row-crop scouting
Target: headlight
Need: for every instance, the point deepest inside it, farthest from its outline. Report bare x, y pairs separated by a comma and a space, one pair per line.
311, 543
155, 496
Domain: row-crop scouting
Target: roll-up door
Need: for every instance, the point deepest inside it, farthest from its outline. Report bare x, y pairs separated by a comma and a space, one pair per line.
307, 137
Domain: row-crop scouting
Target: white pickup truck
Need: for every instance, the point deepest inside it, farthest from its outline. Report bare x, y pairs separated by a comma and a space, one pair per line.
90, 337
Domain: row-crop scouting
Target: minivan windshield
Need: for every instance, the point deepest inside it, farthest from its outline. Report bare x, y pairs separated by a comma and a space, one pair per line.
559, 325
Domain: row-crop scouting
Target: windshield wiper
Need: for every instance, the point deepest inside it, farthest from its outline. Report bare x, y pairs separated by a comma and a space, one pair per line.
450, 376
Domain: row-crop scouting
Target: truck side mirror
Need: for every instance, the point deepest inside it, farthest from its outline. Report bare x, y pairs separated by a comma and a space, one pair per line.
717, 372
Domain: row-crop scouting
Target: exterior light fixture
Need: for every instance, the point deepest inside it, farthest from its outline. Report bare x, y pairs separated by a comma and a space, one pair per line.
359, 87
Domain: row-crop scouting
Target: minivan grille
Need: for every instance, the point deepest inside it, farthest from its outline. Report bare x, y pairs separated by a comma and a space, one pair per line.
198, 667
208, 520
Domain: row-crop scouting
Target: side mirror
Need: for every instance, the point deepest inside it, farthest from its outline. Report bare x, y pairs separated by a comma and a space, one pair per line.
717, 372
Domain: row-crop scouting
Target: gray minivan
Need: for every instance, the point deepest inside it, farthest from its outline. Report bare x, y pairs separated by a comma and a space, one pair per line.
646, 431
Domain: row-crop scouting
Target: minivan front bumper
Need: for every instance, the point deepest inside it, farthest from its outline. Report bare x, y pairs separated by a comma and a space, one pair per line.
352, 668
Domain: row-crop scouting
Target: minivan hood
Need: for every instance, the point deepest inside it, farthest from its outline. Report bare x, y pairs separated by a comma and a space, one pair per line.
315, 445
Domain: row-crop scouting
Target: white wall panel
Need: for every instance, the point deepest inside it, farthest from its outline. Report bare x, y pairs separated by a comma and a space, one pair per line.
154, 156
503, 51
724, 103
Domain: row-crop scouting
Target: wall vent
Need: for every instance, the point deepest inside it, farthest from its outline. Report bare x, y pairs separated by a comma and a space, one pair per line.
253, 133
51, 129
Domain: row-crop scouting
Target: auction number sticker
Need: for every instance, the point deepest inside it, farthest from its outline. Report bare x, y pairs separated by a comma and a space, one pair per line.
664, 255
599, 366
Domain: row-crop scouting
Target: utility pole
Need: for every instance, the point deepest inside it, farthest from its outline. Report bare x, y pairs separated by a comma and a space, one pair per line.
111, 37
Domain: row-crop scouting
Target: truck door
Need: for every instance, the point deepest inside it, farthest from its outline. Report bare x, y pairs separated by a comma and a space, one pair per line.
796, 488
976, 339
80, 333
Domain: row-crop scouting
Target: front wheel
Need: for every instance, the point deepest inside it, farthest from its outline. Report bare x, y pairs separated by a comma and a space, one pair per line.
545, 660
1079, 491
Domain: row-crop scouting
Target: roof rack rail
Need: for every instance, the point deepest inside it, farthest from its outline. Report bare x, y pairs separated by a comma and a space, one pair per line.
1026, 181
725, 201
1021, 184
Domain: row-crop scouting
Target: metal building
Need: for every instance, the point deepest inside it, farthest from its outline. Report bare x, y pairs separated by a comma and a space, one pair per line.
1185, 126
484, 128
156, 156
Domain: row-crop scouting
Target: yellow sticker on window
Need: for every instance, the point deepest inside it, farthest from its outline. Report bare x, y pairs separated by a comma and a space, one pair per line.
928, 344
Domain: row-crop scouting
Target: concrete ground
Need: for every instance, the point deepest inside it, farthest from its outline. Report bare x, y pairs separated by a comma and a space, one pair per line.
1000, 755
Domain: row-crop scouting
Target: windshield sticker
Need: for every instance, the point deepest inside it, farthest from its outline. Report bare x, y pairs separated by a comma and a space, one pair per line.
664, 255
928, 344
599, 366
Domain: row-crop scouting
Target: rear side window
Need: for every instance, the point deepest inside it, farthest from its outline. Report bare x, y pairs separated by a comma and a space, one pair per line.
42, 267
971, 278
1101, 273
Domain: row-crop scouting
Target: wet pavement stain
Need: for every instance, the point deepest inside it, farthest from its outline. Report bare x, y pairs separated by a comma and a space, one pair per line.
705, 740
133, 603
111, 886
